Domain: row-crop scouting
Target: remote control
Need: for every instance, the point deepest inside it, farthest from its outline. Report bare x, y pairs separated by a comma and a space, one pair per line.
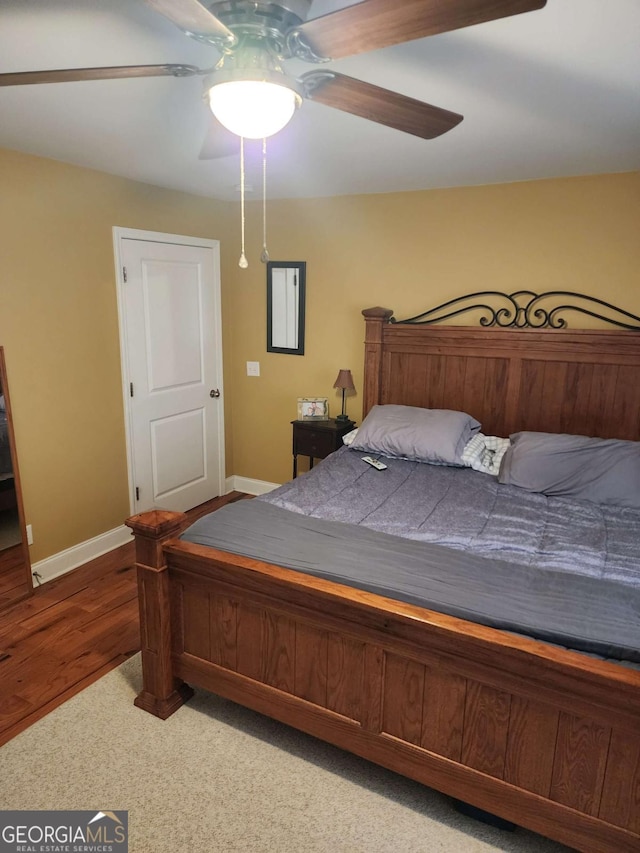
375, 463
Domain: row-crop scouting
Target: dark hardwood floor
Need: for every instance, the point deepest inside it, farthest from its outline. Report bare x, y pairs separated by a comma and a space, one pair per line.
70, 632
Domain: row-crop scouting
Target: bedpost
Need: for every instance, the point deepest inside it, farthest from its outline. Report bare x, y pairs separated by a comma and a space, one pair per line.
375, 319
161, 694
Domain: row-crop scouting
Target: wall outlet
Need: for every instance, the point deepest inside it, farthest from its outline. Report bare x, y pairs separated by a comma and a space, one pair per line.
253, 368
29, 534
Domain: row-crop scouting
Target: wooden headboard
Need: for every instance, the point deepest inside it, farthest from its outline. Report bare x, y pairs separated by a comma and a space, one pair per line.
506, 374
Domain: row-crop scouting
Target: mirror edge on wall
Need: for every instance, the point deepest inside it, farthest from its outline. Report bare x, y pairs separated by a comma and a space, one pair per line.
15, 563
286, 296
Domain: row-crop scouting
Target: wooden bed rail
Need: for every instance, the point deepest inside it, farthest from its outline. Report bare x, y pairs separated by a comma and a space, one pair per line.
540, 737
162, 693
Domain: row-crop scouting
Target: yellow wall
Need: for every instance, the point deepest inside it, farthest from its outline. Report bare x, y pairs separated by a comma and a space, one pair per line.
409, 251
59, 327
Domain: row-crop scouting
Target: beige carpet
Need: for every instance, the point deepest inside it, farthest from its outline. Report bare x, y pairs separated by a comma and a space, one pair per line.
216, 777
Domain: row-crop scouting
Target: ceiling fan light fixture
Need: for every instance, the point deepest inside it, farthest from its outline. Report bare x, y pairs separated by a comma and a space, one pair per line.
254, 109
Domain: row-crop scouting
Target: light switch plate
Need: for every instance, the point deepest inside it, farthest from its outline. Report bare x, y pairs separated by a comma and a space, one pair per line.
253, 368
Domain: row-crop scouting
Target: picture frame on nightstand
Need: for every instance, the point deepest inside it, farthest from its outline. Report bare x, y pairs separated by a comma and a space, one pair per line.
313, 408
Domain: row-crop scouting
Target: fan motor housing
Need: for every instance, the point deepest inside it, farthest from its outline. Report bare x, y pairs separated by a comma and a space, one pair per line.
248, 15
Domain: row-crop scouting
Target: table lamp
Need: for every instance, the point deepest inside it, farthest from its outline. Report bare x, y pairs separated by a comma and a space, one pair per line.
345, 383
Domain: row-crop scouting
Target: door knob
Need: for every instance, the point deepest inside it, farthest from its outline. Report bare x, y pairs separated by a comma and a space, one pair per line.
214, 392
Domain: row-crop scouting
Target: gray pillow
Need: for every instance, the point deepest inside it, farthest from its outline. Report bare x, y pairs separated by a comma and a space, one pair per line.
422, 435
604, 471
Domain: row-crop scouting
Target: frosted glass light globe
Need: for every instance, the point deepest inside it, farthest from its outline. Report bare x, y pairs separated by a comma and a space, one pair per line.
251, 108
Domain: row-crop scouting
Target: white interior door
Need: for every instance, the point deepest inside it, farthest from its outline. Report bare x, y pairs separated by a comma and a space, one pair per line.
169, 294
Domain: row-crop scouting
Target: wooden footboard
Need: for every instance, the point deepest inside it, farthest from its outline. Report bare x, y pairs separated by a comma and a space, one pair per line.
545, 738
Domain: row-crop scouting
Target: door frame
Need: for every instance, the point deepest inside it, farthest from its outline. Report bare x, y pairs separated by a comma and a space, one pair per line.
120, 234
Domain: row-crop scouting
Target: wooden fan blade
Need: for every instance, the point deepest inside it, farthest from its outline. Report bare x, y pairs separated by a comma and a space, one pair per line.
374, 24
72, 75
380, 105
192, 17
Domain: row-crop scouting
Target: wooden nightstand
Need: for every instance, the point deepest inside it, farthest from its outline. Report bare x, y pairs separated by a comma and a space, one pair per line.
317, 439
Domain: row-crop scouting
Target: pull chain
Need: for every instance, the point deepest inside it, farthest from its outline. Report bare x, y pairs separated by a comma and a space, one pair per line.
243, 263
264, 257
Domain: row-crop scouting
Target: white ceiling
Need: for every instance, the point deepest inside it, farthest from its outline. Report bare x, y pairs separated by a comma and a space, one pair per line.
544, 94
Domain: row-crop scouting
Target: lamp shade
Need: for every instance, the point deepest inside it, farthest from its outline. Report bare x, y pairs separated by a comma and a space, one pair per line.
254, 109
344, 381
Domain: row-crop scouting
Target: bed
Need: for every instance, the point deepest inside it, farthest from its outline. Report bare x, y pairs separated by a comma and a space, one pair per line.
535, 733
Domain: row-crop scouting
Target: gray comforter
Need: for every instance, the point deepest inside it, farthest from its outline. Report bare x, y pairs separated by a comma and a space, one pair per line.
470, 511
462, 544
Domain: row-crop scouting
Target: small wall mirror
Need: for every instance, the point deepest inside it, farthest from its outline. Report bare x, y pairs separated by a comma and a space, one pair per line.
285, 306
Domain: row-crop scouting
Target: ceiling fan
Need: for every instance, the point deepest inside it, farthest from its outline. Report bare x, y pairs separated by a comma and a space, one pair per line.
255, 37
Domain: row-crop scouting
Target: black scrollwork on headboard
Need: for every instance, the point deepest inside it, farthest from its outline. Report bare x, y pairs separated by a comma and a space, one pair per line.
526, 310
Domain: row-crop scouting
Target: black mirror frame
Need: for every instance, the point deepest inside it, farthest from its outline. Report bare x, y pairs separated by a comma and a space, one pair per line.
301, 267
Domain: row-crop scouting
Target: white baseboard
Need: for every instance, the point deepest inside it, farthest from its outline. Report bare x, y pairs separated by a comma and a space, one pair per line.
63, 562
248, 485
